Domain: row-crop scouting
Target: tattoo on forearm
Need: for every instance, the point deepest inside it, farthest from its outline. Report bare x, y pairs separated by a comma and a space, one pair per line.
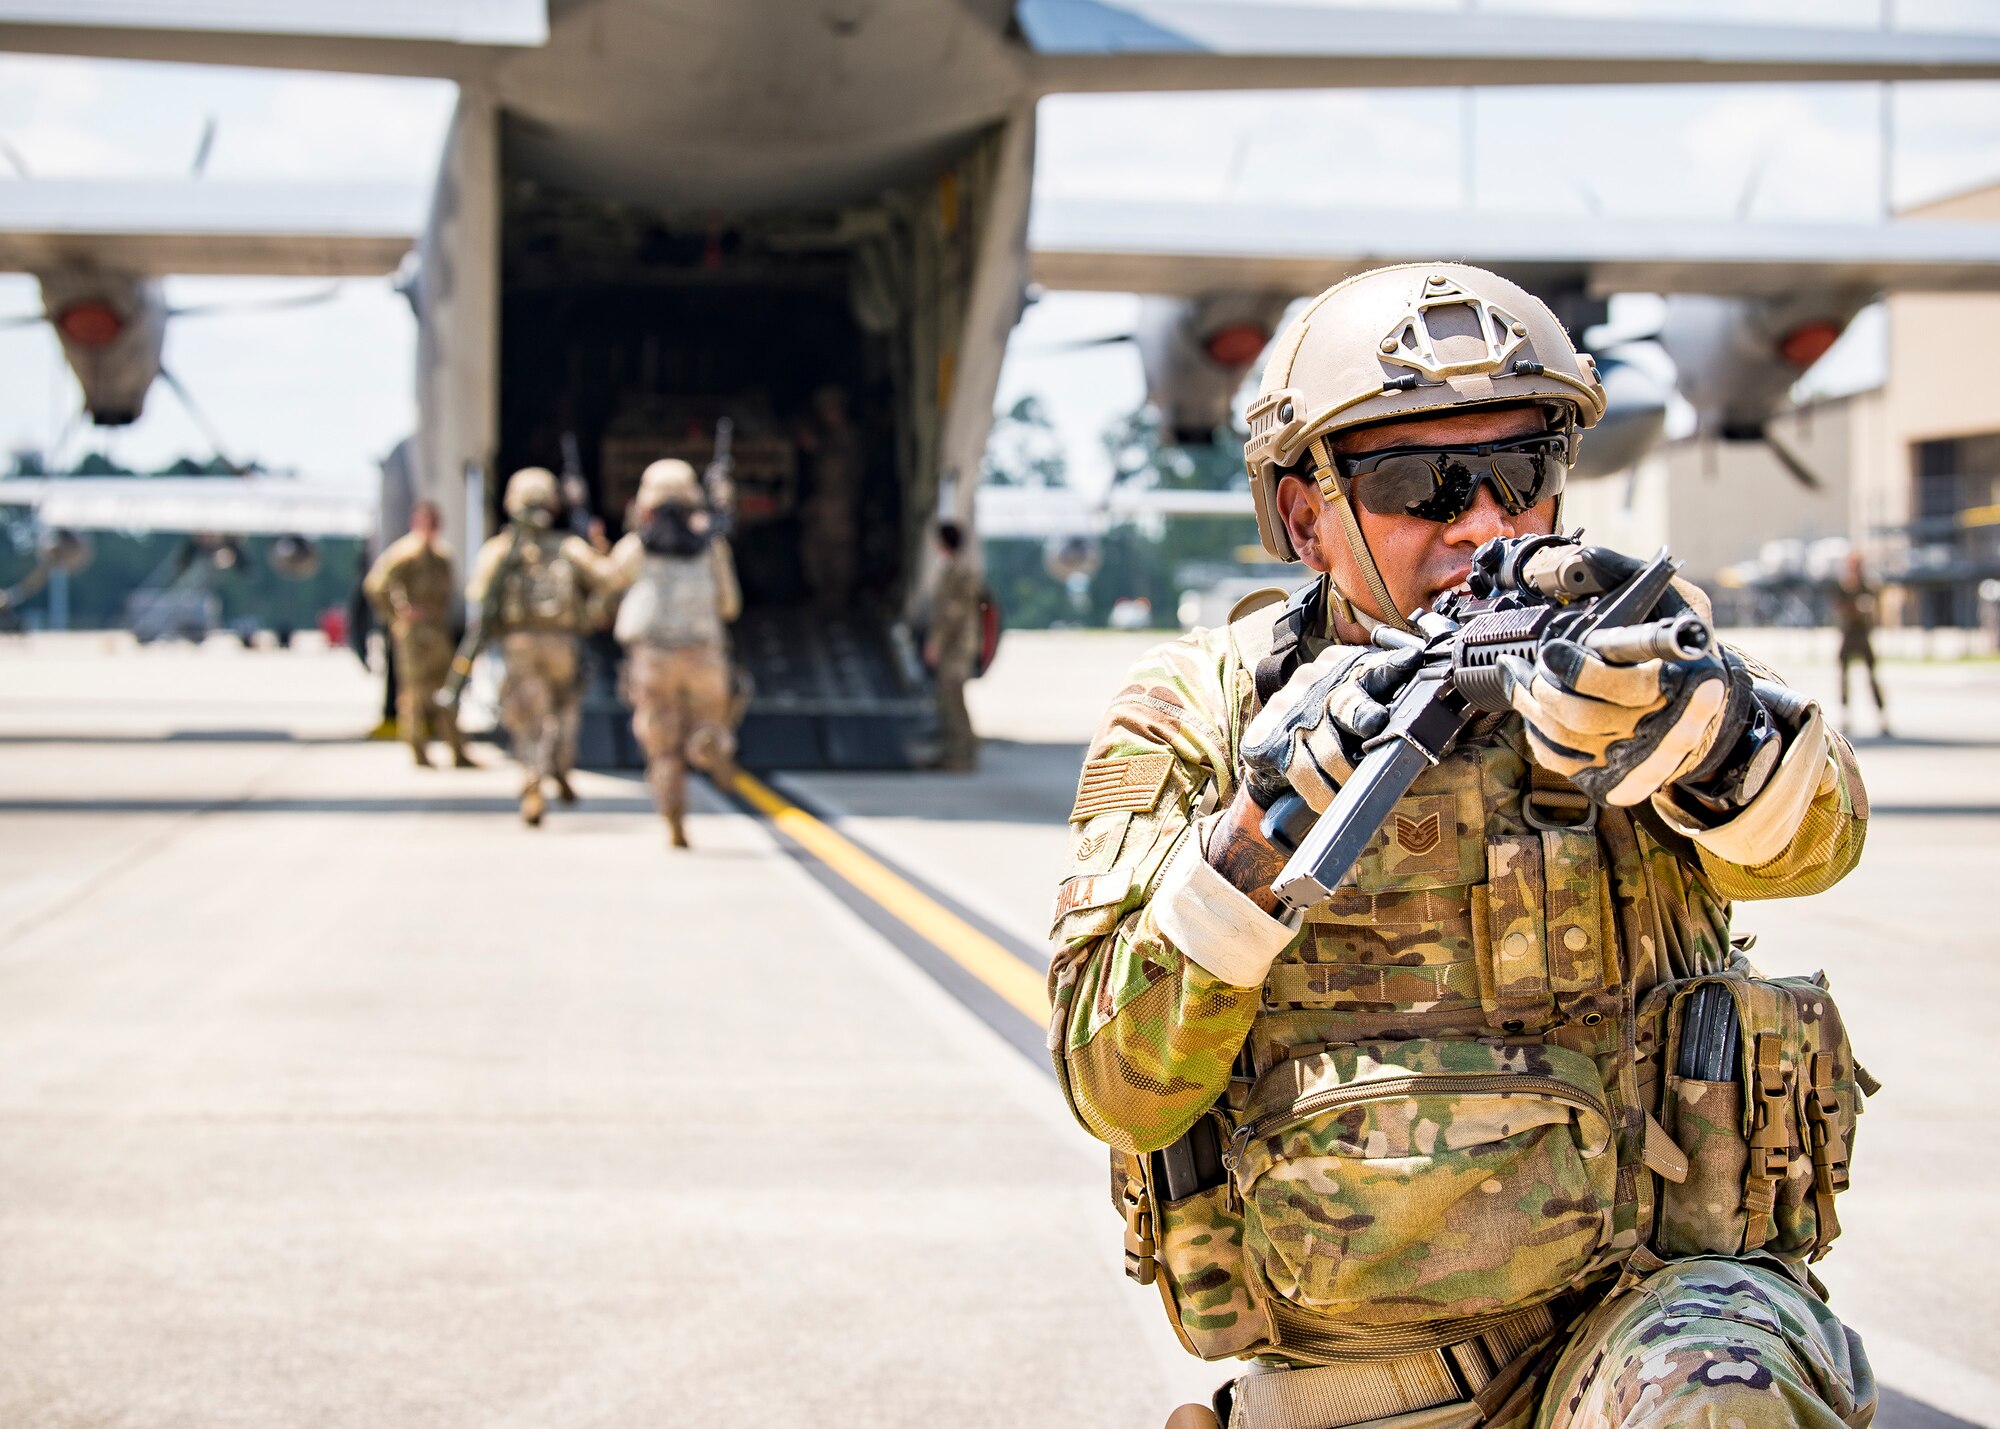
1249, 863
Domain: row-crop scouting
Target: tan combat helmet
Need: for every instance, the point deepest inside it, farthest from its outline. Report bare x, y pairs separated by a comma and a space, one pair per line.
1413, 340
669, 482
532, 488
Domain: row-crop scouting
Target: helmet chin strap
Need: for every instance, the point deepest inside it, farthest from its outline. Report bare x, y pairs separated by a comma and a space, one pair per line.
1335, 495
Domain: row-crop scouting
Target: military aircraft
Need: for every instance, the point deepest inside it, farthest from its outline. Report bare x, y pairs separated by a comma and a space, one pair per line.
652, 213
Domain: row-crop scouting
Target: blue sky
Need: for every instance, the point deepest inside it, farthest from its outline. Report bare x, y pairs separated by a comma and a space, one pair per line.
328, 389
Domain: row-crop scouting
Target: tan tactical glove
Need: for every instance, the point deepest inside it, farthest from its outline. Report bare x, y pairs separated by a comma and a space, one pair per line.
1309, 737
1620, 733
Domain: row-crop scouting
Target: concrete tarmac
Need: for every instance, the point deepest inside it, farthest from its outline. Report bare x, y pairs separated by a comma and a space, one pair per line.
333, 1096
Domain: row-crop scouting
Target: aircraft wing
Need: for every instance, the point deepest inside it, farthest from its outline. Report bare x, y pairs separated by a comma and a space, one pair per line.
237, 506
202, 226
448, 39
1126, 45
1187, 249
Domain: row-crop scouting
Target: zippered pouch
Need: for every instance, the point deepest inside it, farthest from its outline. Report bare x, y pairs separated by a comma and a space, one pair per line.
1404, 1182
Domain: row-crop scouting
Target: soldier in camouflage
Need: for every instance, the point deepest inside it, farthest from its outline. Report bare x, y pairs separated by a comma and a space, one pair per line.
951, 645
1855, 606
412, 589
1406, 1153
542, 579
679, 580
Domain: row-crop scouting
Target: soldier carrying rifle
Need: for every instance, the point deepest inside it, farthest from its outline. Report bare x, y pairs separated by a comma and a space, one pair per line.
1494, 1124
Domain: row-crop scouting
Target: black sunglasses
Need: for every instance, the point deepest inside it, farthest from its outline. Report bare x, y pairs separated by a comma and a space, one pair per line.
1441, 483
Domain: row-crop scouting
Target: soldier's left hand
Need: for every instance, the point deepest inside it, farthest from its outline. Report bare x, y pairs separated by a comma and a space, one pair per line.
1310, 735
1620, 733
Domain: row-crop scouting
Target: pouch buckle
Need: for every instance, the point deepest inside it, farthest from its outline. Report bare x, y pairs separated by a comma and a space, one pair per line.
1140, 1263
1535, 819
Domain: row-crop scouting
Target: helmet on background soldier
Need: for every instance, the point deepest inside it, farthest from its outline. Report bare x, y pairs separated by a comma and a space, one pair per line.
669, 482
532, 493
1401, 343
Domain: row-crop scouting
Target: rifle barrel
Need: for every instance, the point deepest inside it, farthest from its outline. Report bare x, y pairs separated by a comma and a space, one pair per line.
1684, 637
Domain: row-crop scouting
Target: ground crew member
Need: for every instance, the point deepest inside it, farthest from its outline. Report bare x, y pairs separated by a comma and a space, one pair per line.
679, 579
951, 645
539, 581
412, 589
1326, 1135
1856, 608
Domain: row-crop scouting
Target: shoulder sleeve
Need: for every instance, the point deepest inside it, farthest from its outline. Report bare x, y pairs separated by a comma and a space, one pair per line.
1802, 833
375, 585
484, 567
728, 594
596, 570
626, 560
1142, 1036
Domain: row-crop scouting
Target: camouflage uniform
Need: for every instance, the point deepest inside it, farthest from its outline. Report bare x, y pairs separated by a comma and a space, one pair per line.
1854, 616
954, 637
677, 675
412, 589
542, 611
1485, 974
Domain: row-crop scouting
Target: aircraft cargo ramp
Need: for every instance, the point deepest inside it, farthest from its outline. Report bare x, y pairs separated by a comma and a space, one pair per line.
828, 692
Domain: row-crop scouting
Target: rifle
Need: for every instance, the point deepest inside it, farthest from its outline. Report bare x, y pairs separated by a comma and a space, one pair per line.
718, 479
575, 489
474, 639
1523, 591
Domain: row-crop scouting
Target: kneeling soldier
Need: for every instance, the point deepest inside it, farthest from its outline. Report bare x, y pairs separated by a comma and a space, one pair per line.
1432, 1153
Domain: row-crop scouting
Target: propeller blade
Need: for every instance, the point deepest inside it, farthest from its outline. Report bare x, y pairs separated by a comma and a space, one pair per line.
263, 305
1079, 344
1792, 462
22, 320
208, 431
14, 160
203, 148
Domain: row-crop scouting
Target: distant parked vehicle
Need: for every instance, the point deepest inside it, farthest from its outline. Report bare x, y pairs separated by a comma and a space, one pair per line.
173, 614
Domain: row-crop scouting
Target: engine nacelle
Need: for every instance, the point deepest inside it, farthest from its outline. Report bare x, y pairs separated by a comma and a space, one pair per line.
1635, 416
1196, 353
1739, 357
113, 329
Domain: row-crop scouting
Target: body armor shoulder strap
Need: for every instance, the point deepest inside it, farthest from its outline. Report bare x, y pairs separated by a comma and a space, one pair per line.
1301, 614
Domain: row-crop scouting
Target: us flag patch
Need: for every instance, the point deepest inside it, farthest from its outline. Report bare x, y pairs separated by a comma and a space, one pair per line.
1131, 781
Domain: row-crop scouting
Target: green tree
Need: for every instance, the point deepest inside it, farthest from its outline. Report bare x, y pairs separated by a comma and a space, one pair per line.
1024, 449
1139, 457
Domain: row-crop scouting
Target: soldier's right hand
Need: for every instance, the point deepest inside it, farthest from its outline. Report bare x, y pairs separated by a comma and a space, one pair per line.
1308, 739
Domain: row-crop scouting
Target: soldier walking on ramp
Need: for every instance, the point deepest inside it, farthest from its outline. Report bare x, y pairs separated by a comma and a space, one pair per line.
680, 595
1856, 609
532, 584
951, 645
1500, 1127
412, 588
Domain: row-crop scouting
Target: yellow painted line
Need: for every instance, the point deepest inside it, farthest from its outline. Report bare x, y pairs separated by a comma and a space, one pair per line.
1010, 978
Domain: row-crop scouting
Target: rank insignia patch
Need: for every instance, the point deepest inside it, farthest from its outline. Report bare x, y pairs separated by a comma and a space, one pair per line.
1132, 781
